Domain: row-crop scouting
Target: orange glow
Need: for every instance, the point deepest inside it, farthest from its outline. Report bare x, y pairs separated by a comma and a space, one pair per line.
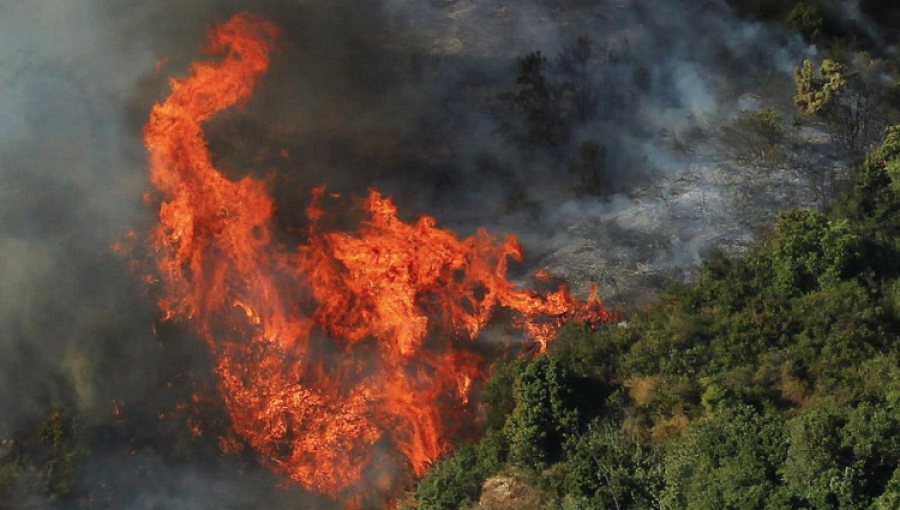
344, 342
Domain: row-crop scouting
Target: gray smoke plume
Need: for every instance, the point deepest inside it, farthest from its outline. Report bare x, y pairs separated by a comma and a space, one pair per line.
396, 94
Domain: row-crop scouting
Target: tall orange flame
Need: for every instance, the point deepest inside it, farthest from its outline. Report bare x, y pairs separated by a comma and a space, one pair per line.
350, 340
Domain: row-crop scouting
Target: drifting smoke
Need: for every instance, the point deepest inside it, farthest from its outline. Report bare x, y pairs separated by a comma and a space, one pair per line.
396, 95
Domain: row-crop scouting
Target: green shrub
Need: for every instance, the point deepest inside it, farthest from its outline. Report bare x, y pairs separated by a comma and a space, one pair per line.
544, 414
809, 251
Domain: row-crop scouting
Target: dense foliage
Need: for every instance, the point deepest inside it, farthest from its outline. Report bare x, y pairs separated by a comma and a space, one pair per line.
771, 382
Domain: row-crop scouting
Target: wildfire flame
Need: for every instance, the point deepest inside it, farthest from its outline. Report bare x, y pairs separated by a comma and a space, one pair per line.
348, 340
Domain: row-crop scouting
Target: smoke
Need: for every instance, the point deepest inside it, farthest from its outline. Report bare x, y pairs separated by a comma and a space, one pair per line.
396, 94
63, 146
664, 77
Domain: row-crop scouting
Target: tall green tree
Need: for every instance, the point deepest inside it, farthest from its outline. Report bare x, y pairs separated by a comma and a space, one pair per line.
544, 415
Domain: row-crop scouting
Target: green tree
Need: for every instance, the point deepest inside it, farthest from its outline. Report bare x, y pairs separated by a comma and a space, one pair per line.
853, 103
544, 414
807, 21
808, 250
606, 469
817, 90
729, 462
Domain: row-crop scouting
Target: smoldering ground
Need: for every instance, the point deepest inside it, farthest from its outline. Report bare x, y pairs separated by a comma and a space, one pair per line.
392, 94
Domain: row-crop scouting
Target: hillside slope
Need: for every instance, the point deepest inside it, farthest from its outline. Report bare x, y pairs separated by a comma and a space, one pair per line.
771, 382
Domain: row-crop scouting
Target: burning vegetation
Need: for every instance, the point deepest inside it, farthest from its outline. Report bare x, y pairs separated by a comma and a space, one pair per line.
346, 341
